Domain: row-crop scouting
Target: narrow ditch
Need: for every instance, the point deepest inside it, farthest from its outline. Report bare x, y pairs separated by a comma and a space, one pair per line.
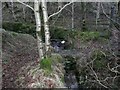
71, 76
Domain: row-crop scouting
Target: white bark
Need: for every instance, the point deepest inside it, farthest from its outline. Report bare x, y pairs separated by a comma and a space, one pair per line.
60, 10
26, 5
1, 16
38, 25
12, 7
24, 13
72, 15
38, 29
46, 26
1, 45
97, 14
108, 16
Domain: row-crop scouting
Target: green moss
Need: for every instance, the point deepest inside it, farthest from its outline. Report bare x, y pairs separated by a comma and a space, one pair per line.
14, 34
91, 35
19, 27
58, 33
86, 36
62, 79
46, 64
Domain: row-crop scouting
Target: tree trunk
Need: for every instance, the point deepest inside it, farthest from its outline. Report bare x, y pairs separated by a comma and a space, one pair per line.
97, 14
119, 11
73, 16
111, 16
1, 44
38, 29
24, 13
0, 14
83, 9
12, 10
46, 28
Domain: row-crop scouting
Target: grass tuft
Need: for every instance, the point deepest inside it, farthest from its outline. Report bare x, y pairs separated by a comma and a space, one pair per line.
46, 64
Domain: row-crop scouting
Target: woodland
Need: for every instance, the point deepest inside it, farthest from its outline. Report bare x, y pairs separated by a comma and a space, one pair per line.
72, 45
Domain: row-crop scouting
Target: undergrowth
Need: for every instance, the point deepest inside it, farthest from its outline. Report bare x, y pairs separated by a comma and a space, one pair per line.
55, 32
100, 59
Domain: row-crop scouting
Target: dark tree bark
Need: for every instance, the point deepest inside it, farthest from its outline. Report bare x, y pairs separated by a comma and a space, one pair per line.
119, 11
83, 9
119, 8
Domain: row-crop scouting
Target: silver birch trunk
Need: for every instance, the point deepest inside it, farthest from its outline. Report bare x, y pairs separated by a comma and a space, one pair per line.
97, 14
46, 27
73, 16
119, 11
0, 45
12, 10
24, 13
38, 29
83, 9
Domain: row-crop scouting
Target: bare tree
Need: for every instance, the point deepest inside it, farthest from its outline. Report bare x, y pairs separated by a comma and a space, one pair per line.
83, 9
46, 27
72, 15
1, 44
119, 11
12, 7
97, 14
24, 13
113, 21
56, 13
38, 29
38, 25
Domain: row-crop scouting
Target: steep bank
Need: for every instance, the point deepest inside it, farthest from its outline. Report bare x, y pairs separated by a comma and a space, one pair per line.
20, 60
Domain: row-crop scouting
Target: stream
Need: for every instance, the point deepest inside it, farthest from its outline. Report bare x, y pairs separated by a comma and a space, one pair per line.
71, 76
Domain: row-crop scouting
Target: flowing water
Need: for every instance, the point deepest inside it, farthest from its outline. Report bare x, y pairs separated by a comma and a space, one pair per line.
71, 76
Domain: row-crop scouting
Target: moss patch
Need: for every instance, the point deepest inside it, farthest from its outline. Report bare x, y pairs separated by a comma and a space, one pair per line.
19, 27
14, 34
94, 36
46, 64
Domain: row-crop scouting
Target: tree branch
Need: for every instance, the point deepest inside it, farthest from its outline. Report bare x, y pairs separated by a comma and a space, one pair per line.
96, 77
26, 5
113, 69
108, 16
59, 10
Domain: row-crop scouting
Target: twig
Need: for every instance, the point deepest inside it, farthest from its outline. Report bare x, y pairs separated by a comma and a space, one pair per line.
108, 16
96, 77
113, 69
